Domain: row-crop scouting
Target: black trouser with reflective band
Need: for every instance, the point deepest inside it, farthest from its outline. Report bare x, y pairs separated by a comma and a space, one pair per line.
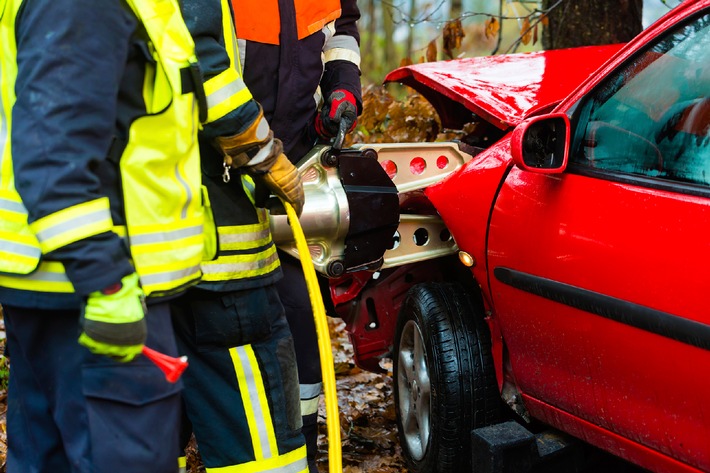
299, 313
241, 387
71, 411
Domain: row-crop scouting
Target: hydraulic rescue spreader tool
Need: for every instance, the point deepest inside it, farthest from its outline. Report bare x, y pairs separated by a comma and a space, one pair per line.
365, 206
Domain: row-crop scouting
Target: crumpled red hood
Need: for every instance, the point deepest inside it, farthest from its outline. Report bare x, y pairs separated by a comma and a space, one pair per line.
501, 89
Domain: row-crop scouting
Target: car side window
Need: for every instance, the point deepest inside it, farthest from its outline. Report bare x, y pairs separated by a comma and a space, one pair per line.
652, 118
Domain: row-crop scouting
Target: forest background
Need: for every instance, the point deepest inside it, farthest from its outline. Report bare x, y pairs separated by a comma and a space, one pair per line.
395, 32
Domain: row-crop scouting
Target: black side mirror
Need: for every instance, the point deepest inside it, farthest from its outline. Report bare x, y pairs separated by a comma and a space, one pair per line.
541, 144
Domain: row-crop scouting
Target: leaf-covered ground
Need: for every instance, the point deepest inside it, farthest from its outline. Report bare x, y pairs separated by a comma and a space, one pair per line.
367, 418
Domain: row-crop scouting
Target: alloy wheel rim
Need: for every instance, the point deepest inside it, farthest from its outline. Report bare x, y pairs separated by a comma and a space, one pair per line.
414, 390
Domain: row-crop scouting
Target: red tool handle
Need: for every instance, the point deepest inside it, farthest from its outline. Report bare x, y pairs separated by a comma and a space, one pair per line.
172, 367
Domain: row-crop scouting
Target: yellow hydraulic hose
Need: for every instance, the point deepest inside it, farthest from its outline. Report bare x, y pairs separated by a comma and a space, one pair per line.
335, 462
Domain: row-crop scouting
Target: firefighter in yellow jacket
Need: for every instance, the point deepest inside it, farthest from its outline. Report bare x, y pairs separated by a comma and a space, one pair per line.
241, 388
101, 212
301, 61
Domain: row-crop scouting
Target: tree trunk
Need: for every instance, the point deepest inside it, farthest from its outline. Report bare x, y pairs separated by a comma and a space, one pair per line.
456, 9
591, 22
390, 60
369, 60
410, 33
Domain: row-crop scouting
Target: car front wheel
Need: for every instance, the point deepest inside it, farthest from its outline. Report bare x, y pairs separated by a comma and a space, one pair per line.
444, 380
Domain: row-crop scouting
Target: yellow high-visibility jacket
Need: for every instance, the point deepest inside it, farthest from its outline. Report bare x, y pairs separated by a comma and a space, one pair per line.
143, 190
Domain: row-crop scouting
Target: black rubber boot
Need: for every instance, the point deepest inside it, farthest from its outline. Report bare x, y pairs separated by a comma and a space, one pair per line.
310, 431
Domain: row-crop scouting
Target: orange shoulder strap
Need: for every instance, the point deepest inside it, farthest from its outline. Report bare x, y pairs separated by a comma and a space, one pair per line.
257, 20
313, 15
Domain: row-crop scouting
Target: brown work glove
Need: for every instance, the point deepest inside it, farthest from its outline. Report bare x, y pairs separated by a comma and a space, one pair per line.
251, 144
262, 156
281, 177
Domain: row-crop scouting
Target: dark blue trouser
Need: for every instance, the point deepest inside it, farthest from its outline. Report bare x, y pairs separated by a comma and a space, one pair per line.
299, 313
241, 385
71, 411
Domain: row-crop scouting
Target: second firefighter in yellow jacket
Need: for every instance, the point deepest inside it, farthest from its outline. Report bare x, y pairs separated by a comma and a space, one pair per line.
241, 388
301, 60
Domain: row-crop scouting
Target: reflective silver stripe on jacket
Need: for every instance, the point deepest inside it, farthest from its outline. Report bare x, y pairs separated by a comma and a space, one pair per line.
213, 268
342, 47
188, 191
11, 205
246, 237
167, 276
165, 237
46, 276
20, 249
225, 92
70, 225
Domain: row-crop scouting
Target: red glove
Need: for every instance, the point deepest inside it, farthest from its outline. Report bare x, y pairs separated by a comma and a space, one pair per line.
340, 106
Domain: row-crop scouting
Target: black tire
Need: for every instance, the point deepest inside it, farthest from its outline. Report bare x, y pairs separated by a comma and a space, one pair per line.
444, 379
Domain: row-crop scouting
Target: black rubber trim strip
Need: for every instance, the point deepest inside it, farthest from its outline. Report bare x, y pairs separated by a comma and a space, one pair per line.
660, 323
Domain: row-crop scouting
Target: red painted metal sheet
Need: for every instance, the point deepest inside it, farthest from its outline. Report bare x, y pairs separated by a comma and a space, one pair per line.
604, 237
609, 441
503, 89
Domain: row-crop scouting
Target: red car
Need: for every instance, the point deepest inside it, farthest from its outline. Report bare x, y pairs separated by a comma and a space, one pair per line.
548, 268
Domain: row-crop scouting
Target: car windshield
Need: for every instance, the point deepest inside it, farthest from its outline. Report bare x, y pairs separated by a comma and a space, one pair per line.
653, 117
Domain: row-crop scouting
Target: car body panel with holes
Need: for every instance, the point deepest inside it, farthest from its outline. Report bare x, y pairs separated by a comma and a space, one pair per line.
588, 232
